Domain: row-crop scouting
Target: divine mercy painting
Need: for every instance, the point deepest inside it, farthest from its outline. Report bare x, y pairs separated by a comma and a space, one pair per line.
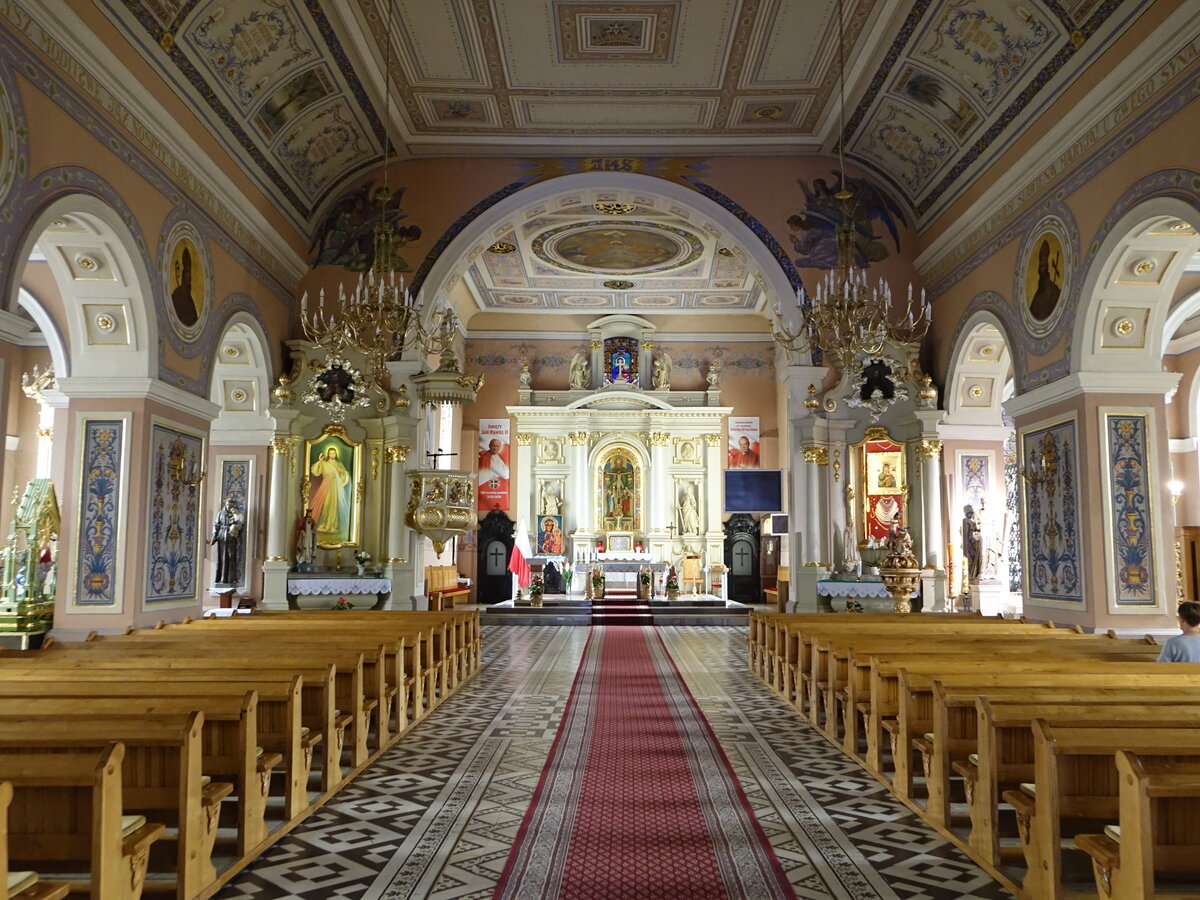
333, 468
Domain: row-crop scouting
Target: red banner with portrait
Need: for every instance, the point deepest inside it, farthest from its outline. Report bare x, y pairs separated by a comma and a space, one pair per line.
493, 464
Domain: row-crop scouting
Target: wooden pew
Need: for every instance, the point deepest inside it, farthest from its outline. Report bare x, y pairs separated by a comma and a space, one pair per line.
1156, 831
229, 743
24, 885
317, 698
954, 726
1075, 777
441, 586
160, 776
279, 725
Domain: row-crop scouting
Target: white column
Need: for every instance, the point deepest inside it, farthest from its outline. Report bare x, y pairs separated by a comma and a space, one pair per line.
930, 452
579, 481
661, 509
522, 504
815, 526
397, 535
283, 450
712, 482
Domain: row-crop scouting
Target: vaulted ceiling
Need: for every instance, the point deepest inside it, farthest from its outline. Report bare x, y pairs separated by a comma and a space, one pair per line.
935, 89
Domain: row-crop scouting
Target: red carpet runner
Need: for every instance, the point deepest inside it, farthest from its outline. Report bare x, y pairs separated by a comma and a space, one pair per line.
637, 800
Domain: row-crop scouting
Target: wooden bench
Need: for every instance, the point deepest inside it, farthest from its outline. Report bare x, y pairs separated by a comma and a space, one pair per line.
229, 742
1156, 831
441, 587
25, 885
777, 596
160, 777
280, 728
1075, 778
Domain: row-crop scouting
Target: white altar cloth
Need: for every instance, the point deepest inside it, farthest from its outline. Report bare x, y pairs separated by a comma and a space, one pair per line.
334, 584
857, 590
622, 556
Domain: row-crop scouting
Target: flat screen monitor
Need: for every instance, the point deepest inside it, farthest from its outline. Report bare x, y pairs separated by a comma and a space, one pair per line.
753, 490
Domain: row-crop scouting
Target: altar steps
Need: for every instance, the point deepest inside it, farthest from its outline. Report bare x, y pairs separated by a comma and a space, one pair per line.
621, 606
701, 609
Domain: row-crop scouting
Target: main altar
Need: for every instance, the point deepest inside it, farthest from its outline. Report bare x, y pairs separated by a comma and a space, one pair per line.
626, 468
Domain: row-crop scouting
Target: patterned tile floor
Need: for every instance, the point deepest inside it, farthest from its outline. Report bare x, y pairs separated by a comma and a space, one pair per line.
437, 814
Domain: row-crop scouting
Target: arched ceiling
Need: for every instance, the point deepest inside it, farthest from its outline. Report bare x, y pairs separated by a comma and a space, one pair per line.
935, 88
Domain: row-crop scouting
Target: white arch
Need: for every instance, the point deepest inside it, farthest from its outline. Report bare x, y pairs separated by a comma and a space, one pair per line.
107, 292
449, 264
240, 384
59, 355
980, 367
1120, 321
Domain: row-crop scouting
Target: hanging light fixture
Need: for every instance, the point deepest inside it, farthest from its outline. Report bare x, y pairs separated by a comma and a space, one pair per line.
849, 317
378, 316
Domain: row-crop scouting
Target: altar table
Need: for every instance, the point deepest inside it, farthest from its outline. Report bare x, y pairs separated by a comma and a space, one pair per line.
875, 595
331, 584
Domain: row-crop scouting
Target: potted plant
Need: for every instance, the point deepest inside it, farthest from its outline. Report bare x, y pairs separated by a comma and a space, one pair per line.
597, 584
536, 590
644, 585
672, 586
341, 604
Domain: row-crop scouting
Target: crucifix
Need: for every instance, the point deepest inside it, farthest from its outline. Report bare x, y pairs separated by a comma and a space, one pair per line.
739, 556
495, 559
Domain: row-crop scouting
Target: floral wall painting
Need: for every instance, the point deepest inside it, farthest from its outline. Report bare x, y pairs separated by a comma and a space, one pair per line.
346, 235
102, 484
812, 228
1049, 463
1045, 272
975, 474
939, 99
1130, 545
173, 550
332, 487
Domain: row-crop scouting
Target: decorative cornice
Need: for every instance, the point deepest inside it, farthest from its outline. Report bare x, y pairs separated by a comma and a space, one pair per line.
140, 388
1077, 383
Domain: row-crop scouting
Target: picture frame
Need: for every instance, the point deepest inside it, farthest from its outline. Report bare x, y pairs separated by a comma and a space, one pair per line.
333, 487
620, 543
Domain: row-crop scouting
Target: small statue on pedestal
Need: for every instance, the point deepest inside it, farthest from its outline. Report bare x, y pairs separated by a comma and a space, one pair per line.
227, 536
578, 379
306, 542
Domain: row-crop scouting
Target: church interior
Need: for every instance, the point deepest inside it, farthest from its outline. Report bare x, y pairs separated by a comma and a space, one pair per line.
529, 416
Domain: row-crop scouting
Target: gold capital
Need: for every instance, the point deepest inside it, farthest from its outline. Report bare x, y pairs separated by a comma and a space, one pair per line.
281, 446
524, 439
929, 449
397, 454
659, 439
816, 455
578, 438
712, 440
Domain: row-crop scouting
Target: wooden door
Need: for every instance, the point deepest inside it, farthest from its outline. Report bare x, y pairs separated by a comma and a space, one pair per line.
495, 547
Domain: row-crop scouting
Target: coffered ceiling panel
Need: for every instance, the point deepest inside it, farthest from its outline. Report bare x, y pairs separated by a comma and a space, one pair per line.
936, 89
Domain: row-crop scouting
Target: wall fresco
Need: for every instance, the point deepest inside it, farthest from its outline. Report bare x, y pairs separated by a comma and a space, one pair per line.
1051, 495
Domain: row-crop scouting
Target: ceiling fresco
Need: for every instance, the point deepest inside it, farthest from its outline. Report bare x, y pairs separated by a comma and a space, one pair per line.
608, 250
936, 89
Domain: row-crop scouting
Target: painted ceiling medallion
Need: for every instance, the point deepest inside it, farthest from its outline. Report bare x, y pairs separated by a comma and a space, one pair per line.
1144, 266
1123, 327
976, 392
502, 247
618, 285
87, 263
614, 209
633, 247
106, 323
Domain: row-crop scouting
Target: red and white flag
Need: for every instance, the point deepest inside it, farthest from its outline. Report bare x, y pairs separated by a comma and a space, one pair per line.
518, 562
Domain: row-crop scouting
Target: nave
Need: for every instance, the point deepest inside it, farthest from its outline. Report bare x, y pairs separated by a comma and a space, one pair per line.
437, 815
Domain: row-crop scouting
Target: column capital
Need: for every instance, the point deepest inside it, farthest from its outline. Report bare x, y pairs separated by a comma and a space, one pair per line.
816, 455
712, 440
659, 438
928, 449
396, 454
524, 439
283, 446
577, 438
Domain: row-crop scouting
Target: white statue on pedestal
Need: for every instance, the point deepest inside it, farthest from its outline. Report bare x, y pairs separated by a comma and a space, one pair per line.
578, 379
689, 512
662, 372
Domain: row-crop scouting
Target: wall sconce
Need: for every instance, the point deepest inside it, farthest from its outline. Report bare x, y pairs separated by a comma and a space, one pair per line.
183, 467
1175, 486
1042, 470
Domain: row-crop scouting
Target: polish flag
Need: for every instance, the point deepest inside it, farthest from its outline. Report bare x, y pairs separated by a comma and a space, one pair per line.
518, 562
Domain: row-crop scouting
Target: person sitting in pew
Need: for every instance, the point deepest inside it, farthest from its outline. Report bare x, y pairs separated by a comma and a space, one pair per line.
1185, 646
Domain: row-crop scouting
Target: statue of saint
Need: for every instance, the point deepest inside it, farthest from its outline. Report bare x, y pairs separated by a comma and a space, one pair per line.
579, 372
662, 372
689, 512
227, 535
972, 542
551, 501
306, 542
851, 560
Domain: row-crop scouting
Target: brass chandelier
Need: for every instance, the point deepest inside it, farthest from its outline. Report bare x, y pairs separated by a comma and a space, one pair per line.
849, 317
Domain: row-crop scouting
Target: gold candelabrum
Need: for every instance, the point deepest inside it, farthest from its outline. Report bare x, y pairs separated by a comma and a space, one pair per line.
849, 317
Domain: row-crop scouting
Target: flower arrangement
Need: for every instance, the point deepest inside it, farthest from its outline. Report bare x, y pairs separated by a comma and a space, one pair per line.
342, 604
568, 573
644, 577
538, 587
362, 557
672, 583
597, 579
854, 606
